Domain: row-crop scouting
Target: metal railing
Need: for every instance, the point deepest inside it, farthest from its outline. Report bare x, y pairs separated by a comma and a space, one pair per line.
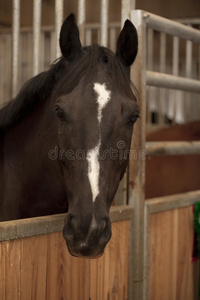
142, 76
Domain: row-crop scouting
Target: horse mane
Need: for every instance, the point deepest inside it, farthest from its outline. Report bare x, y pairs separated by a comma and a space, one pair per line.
62, 77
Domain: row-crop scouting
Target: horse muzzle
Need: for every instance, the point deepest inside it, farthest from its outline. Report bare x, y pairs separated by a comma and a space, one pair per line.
86, 241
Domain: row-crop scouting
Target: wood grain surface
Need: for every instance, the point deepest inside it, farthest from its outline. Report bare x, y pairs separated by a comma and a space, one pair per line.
40, 267
171, 266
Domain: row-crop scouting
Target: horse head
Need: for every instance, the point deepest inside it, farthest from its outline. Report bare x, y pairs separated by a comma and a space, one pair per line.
96, 110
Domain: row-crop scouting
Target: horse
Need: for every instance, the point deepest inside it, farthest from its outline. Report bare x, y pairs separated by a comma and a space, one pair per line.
177, 174
57, 134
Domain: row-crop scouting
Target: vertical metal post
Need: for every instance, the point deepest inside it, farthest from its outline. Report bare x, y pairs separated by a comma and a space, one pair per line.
175, 62
133, 4
104, 23
81, 20
88, 37
15, 45
150, 90
58, 23
137, 167
125, 11
188, 59
175, 70
161, 100
113, 39
188, 72
36, 35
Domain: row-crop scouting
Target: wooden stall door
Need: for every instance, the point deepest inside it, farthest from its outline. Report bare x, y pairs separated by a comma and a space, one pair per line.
171, 243
40, 268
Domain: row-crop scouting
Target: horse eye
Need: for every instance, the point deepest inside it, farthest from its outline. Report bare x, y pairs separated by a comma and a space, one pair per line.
59, 113
133, 120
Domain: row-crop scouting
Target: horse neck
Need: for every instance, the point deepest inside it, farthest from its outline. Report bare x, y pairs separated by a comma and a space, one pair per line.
25, 161
34, 133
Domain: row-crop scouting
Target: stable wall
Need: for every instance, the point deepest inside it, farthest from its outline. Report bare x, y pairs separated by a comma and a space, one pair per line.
171, 9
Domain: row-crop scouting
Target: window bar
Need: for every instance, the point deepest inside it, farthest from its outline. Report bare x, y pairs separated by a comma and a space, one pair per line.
81, 20
36, 35
15, 45
58, 23
104, 23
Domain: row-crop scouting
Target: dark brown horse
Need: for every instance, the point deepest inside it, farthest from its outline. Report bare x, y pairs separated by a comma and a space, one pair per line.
56, 137
167, 175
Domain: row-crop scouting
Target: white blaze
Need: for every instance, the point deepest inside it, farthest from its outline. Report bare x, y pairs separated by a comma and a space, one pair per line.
103, 97
93, 170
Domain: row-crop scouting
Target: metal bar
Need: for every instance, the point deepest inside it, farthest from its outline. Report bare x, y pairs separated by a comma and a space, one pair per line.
193, 21
104, 23
81, 20
172, 148
137, 168
162, 52
42, 225
150, 49
133, 4
150, 91
37, 6
52, 28
52, 46
58, 23
171, 27
15, 45
98, 25
172, 82
161, 102
188, 72
125, 11
175, 71
175, 59
113, 39
160, 204
88, 37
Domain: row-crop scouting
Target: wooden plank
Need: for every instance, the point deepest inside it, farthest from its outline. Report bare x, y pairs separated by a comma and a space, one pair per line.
109, 274
171, 242
41, 267
66, 272
48, 224
10, 272
2, 272
33, 268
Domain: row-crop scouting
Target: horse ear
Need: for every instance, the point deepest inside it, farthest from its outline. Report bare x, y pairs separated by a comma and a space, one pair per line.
127, 44
70, 44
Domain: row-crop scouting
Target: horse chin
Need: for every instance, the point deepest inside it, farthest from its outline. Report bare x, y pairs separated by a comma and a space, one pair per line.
86, 255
